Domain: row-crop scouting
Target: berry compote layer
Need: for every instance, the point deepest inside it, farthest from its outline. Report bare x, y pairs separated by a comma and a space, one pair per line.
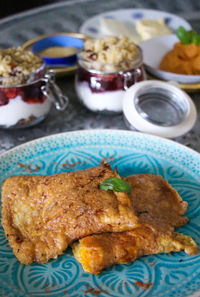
104, 91
23, 105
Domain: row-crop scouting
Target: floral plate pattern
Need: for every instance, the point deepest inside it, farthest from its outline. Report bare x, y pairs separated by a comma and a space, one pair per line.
91, 27
165, 275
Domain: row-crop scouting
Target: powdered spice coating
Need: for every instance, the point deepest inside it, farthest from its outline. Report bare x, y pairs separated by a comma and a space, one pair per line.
41, 215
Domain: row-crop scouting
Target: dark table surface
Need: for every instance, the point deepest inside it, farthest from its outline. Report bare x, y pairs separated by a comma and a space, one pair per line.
68, 16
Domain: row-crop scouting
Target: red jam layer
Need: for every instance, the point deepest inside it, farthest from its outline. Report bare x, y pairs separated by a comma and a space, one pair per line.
30, 94
99, 83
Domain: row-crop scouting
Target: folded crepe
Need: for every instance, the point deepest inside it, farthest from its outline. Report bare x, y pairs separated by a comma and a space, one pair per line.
159, 209
101, 251
42, 215
156, 202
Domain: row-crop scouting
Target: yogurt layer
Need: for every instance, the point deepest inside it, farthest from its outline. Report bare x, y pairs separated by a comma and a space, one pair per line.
17, 110
105, 101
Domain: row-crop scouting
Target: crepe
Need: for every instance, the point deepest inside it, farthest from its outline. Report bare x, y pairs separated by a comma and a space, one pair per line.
42, 215
159, 209
101, 251
156, 202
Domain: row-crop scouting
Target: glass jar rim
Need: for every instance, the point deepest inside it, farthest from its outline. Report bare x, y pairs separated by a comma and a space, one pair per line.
27, 82
139, 57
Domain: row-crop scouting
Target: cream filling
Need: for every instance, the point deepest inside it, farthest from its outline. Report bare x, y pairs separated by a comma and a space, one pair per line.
17, 109
110, 101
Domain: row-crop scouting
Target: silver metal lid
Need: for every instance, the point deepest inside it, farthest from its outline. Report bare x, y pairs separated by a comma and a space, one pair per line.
159, 108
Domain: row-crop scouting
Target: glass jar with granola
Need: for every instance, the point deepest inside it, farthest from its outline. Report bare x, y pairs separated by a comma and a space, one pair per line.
107, 67
27, 89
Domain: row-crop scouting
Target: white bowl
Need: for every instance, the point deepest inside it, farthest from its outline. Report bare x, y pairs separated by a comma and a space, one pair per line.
153, 51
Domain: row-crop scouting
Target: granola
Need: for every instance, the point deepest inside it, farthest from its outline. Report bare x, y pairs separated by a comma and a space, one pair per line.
16, 66
110, 53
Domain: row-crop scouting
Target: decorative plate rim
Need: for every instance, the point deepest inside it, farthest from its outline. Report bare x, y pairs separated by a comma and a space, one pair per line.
161, 140
60, 134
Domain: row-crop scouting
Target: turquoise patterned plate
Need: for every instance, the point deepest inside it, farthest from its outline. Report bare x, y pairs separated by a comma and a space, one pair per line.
174, 274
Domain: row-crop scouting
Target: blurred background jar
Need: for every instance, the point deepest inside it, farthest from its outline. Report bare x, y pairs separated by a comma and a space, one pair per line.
101, 86
27, 89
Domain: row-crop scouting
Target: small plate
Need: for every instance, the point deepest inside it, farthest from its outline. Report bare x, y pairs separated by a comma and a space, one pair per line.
153, 51
189, 88
60, 71
129, 17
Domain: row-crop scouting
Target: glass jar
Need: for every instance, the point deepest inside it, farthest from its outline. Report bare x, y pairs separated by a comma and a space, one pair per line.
102, 90
28, 104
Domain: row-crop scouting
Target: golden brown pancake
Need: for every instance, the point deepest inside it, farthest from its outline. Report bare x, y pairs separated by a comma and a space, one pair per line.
159, 209
101, 251
156, 202
41, 215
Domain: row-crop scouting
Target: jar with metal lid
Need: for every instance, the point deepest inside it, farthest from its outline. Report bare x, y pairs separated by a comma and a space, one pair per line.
101, 86
26, 96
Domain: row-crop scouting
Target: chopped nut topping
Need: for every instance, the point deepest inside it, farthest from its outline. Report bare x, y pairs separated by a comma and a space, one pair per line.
110, 53
16, 64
